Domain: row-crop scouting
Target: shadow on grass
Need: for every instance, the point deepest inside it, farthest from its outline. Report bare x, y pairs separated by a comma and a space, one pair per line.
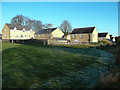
27, 64
83, 50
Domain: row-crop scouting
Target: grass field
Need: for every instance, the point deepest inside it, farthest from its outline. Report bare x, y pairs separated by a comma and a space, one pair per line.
26, 66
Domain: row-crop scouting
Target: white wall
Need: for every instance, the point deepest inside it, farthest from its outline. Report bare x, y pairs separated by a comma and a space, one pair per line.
57, 33
17, 34
95, 35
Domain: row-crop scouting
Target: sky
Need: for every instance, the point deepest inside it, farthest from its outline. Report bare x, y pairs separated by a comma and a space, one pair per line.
103, 15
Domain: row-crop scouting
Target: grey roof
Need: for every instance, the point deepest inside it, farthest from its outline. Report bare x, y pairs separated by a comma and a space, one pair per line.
102, 34
19, 27
83, 30
45, 31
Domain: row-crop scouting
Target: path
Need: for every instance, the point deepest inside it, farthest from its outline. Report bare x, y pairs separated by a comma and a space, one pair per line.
90, 75
106, 58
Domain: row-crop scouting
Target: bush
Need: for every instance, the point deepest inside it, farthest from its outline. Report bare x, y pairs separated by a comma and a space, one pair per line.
104, 42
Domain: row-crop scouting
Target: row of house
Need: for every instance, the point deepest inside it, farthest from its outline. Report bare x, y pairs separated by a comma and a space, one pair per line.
19, 32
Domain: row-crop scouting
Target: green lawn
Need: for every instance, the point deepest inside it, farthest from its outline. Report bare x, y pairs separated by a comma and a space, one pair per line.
38, 66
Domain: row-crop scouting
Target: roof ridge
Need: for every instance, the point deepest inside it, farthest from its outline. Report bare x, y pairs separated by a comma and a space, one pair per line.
104, 32
19, 27
84, 27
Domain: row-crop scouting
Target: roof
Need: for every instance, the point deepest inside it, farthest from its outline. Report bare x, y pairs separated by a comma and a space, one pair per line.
102, 34
19, 27
45, 31
111, 35
83, 30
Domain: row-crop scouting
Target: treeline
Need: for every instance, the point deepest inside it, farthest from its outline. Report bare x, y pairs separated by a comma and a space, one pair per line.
37, 24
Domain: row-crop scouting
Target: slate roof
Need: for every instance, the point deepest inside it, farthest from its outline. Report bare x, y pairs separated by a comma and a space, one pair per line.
83, 30
19, 27
45, 31
110, 35
102, 34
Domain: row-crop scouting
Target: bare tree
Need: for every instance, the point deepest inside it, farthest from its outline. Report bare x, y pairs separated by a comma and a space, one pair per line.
36, 25
22, 20
66, 27
18, 20
46, 26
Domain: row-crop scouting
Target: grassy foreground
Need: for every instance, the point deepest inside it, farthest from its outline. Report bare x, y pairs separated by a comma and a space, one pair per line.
26, 66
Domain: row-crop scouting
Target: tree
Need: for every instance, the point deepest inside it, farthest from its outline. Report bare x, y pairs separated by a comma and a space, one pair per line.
46, 26
66, 27
36, 25
22, 20
18, 20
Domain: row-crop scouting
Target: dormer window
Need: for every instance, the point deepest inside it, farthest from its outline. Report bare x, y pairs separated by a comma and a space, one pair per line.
23, 30
31, 30
15, 29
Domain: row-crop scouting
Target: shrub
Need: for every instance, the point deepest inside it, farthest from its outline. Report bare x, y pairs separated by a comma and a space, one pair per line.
104, 42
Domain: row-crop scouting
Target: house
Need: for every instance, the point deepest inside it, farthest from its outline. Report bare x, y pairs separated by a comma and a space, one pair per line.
112, 38
17, 32
87, 34
49, 33
103, 36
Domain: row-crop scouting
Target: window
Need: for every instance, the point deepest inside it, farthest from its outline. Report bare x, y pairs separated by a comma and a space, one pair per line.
5, 35
102, 38
39, 35
25, 35
23, 30
29, 35
31, 30
74, 36
35, 35
81, 36
15, 28
17, 36
48, 35
5, 30
21, 35
43, 35
55, 35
